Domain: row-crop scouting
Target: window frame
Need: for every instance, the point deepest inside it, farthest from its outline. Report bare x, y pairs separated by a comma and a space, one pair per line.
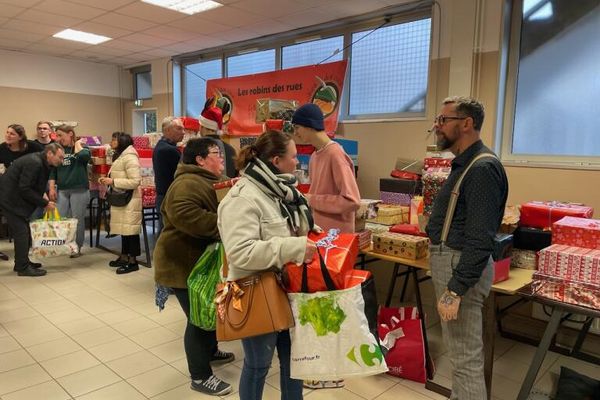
135, 72
507, 98
345, 27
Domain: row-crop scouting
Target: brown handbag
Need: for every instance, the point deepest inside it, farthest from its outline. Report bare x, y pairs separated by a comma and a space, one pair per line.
252, 306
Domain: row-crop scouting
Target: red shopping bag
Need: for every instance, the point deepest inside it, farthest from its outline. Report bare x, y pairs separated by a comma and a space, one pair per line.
338, 252
401, 332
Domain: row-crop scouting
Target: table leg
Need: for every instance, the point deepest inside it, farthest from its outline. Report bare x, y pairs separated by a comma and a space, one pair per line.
404, 285
414, 272
540, 354
489, 327
388, 301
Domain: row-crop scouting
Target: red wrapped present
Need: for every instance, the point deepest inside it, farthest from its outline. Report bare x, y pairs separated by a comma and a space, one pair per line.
222, 188
433, 180
432, 162
148, 196
542, 214
411, 176
338, 251
91, 140
573, 264
580, 232
98, 151
191, 124
141, 142
580, 294
501, 270
274, 124
101, 169
144, 153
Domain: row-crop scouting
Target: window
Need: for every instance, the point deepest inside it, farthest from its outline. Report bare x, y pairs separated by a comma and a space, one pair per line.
389, 68
313, 52
142, 83
194, 76
551, 106
251, 63
150, 122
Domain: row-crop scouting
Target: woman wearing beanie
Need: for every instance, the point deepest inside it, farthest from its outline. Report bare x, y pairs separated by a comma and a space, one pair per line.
211, 121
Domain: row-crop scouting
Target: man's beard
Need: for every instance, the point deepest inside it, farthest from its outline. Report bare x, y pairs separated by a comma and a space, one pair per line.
443, 142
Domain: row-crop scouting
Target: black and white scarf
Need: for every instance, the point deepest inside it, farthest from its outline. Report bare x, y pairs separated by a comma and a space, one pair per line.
282, 187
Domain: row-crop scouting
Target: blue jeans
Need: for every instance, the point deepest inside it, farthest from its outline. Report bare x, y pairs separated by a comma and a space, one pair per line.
72, 203
258, 353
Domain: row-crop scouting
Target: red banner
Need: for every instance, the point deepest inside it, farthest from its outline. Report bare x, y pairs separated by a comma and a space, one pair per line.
272, 95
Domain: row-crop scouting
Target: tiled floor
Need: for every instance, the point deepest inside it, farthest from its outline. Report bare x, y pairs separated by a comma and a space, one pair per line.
82, 332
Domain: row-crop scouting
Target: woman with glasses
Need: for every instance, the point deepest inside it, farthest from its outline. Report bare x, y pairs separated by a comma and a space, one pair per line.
189, 213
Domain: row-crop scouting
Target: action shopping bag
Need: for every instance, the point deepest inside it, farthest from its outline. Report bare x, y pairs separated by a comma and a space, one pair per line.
53, 236
331, 337
401, 333
202, 286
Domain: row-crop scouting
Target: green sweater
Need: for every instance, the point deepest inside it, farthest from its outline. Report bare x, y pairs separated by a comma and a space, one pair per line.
73, 173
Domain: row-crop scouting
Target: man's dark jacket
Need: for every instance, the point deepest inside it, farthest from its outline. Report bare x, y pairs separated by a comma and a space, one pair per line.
23, 185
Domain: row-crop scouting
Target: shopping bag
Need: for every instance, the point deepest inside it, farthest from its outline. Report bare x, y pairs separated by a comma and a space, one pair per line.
53, 236
202, 286
331, 338
401, 333
339, 250
364, 279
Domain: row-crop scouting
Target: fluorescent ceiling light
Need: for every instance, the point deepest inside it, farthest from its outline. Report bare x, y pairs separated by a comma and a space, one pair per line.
543, 13
189, 7
79, 36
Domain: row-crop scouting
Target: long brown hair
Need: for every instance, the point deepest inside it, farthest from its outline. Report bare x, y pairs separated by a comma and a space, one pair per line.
22, 136
267, 146
68, 129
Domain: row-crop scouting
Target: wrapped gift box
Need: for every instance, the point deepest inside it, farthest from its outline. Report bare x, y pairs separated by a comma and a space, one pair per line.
98, 160
364, 239
580, 294
145, 163
524, 259
401, 199
390, 214
98, 151
141, 142
542, 214
222, 188
435, 162
501, 270
433, 180
400, 245
91, 140
153, 137
376, 228
503, 245
101, 169
531, 238
575, 264
580, 232
145, 153
147, 181
148, 196
395, 185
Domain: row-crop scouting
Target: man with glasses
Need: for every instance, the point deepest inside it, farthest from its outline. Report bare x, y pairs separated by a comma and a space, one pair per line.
461, 266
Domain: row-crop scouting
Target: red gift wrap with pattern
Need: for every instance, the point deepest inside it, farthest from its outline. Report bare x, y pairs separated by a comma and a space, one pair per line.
580, 232
141, 142
569, 263
339, 251
433, 180
542, 214
580, 294
149, 196
433, 162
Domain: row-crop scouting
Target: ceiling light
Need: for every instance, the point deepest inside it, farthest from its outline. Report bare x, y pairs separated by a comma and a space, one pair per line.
79, 36
189, 7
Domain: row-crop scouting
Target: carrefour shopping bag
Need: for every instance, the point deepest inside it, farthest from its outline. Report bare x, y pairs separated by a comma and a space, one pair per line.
202, 286
331, 338
53, 236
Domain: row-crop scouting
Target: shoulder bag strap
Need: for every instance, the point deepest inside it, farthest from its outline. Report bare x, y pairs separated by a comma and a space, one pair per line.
454, 197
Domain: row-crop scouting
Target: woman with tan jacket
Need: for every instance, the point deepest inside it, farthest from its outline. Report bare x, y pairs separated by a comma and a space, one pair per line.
127, 220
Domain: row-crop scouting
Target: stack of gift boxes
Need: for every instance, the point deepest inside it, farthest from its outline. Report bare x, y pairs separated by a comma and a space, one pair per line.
147, 187
100, 163
367, 210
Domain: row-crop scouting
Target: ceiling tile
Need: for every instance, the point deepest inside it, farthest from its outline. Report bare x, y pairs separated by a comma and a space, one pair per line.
307, 18
90, 56
44, 17
110, 51
101, 29
63, 43
231, 16
8, 10
62, 7
269, 27
171, 32
201, 43
3, 20
122, 61
269, 10
160, 52
49, 50
235, 35
150, 12
35, 27
109, 5
194, 23
138, 57
347, 8
124, 21
27, 36
13, 44
20, 3
125, 45
148, 40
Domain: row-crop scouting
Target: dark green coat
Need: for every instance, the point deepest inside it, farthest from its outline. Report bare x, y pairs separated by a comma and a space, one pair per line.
189, 213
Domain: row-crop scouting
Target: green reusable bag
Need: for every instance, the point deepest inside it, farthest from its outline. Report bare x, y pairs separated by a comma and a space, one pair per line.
202, 285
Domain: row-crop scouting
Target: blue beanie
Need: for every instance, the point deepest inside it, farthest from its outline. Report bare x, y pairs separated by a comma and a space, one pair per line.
310, 116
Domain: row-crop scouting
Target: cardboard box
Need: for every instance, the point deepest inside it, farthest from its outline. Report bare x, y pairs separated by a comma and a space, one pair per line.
400, 245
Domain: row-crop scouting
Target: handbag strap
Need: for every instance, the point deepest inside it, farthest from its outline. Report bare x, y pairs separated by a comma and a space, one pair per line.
324, 272
454, 196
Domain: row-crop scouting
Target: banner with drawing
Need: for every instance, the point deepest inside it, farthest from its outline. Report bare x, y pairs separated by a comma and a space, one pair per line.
275, 95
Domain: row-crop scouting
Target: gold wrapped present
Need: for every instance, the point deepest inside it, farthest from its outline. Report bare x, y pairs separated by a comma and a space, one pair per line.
400, 245
275, 109
391, 214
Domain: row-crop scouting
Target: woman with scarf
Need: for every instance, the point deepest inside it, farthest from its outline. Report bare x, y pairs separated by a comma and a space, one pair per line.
264, 221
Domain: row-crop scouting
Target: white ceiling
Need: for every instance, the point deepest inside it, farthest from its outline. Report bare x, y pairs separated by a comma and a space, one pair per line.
143, 32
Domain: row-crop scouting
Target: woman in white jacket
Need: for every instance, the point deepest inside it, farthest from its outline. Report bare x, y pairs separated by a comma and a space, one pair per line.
263, 222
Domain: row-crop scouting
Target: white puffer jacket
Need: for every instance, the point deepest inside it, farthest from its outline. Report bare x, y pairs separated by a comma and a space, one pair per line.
125, 172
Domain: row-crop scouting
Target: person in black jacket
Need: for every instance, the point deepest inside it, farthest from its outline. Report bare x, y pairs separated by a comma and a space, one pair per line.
23, 189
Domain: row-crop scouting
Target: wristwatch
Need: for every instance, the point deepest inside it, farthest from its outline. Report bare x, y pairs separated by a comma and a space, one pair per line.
453, 294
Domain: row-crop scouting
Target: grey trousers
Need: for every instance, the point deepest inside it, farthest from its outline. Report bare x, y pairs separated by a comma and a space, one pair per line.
463, 337
72, 203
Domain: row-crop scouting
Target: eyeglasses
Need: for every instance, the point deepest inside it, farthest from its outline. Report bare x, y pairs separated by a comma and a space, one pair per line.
441, 119
217, 152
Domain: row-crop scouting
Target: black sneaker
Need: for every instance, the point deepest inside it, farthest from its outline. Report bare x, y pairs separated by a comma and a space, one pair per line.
125, 269
35, 265
3, 256
117, 263
29, 271
212, 386
222, 357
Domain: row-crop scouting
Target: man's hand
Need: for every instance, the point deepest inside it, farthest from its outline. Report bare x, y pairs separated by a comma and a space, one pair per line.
448, 306
52, 194
51, 205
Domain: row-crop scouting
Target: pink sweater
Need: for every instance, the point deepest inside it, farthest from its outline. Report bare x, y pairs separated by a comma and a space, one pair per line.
333, 194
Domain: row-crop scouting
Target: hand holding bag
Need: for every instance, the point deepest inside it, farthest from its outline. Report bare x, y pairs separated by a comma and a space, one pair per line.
252, 306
